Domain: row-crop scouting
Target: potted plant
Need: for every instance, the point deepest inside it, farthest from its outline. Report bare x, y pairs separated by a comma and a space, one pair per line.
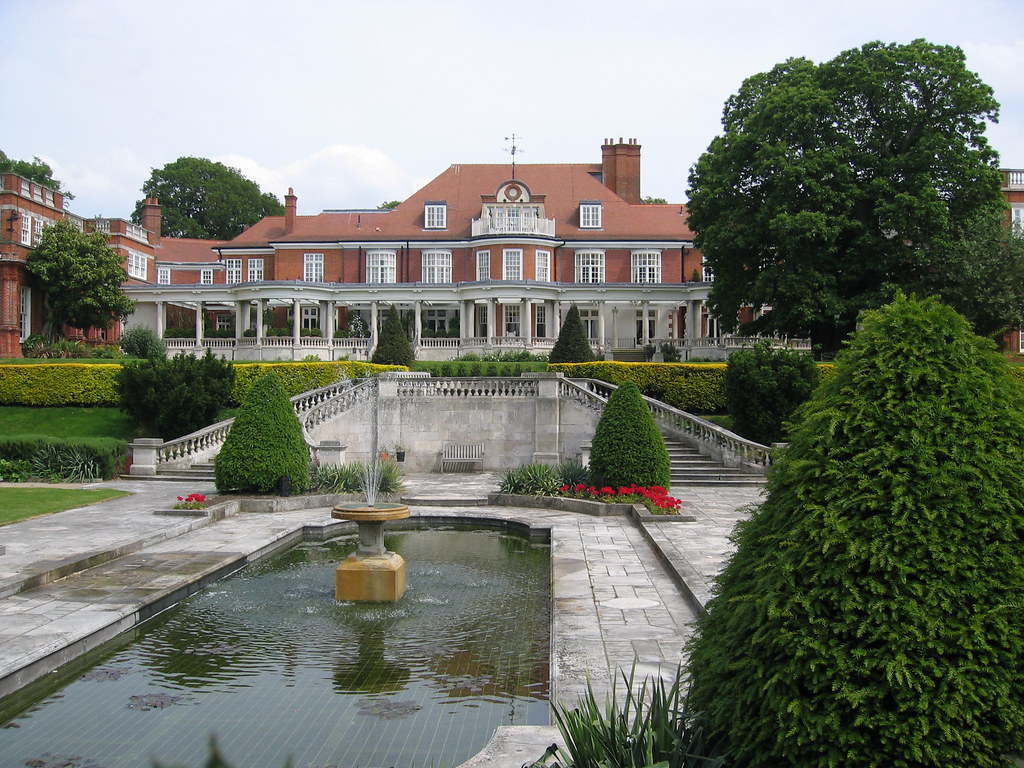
400, 452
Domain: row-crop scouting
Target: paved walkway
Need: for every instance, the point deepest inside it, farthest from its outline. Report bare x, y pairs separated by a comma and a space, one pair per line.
621, 591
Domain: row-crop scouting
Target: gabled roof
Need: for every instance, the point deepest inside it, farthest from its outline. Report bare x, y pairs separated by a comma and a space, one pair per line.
463, 187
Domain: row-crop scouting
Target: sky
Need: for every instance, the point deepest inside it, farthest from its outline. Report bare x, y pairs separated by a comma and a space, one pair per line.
356, 103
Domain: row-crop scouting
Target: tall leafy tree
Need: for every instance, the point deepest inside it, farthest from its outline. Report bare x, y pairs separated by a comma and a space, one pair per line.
205, 199
833, 184
80, 278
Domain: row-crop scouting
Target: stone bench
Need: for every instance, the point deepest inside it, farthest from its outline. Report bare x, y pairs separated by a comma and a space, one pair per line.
460, 456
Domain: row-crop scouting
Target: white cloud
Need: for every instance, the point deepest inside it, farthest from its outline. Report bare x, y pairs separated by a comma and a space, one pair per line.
337, 176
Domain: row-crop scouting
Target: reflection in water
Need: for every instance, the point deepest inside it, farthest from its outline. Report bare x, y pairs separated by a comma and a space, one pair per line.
272, 664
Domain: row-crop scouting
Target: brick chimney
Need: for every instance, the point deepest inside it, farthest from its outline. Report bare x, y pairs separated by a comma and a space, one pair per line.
291, 204
152, 219
620, 168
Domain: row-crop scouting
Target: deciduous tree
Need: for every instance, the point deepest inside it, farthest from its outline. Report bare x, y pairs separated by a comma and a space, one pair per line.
833, 184
80, 278
204, 199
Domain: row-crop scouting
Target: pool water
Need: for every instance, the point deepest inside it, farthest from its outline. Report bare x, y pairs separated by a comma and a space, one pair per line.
273, 667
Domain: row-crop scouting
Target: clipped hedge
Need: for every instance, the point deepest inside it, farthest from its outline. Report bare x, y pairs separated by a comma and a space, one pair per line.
106, 453
302, 377
691, 387
59, 384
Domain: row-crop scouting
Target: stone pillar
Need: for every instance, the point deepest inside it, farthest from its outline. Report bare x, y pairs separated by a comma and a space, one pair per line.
601, 338
241, 318
556, 319
329, 315
547, 419
330, 453
417, 325
373, 330
466, 320
645, 324
608, 354
145, 451
492, 309
199, 324
526, 322
161, 312
296, 322
259, 320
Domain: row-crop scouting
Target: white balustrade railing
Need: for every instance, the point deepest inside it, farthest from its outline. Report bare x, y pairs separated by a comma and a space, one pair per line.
523, 225
468, 387
594, 393
1015, 179
443, 342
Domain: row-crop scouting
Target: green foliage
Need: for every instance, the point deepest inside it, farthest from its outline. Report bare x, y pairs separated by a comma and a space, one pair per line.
763, 386
65, 384
873, 612
628, 447
571, 472
303, 376
141, 342
206, 200
70, 459
572, 345
531, 480
265, 443
349, 478
696, 388
833, 184
172, 397
654, 728
36, 170
80, 278
14, 470
393, 346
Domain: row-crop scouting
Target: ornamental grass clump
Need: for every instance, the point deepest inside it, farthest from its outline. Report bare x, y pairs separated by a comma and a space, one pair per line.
265, 444
873, 611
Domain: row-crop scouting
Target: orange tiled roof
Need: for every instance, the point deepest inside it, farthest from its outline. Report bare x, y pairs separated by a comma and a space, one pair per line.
462, 188
186, 250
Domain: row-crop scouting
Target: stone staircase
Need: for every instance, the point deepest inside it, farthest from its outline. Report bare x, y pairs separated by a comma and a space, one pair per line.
691, 468
196, 472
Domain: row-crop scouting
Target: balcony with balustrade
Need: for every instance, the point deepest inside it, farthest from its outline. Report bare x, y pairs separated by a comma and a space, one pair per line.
513, 225
1013, 179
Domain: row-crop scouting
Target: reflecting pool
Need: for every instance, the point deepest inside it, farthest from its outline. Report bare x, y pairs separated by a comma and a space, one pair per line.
272, 665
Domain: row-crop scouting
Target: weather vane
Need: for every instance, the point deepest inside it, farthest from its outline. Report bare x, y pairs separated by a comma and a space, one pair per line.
513, 151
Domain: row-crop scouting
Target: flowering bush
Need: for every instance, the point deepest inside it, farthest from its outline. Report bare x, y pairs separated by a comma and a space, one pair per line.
192, 501
655, 498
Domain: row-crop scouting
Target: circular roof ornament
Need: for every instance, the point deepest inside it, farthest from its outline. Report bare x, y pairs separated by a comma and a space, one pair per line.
513, 192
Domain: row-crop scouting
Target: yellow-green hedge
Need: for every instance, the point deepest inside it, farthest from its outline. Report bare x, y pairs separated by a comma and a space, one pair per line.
692, 387
302, 377
54, 385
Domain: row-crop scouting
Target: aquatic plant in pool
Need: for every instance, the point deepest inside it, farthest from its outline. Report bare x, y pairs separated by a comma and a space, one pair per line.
272, 665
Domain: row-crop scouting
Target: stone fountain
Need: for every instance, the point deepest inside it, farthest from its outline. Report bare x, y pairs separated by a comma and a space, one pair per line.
371, 573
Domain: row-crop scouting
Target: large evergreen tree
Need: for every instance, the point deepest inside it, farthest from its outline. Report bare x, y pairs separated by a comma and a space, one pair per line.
80, 277
572, 345
833, 184
873, 612
204, 199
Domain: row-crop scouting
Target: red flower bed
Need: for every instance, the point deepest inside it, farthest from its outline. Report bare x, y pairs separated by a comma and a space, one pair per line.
654, 498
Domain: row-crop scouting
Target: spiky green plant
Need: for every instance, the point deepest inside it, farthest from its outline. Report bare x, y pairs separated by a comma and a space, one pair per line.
531, 480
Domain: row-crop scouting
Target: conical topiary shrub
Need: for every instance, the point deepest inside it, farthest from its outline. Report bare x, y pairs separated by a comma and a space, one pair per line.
265, 443
873, 613
627, 446
393, 346
572, 345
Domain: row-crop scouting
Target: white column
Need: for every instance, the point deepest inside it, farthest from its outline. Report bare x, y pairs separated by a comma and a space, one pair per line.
646, 327
259, 320
615, 325
296, 321
466, 320
199, 323
241, 318
492, 309
692, 321
329, 315
526, 322
601, 338
373, 324
417, 325
160, 321
556, 319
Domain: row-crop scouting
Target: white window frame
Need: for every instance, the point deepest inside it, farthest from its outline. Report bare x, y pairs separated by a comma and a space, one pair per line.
590, 215
310, 317
590, 267
255, 270
541, 320
645, 267
512, 320
1017, 218
381, 267
26, 312
313, 267
37, 230
483, 265
224, 321
542, 266
436, 267
136, 265
26, 229
435, 216
232, 271
512, 264
206, 276
589, 319
163, 275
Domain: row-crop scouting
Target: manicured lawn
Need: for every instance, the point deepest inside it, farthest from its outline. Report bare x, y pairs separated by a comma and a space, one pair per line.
65, 422
23, 503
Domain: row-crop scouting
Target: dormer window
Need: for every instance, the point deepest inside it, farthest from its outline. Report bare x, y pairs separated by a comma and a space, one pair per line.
435, 215
590, 215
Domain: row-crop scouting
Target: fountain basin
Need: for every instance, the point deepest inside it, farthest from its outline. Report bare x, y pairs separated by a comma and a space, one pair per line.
371, 574
370, 513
